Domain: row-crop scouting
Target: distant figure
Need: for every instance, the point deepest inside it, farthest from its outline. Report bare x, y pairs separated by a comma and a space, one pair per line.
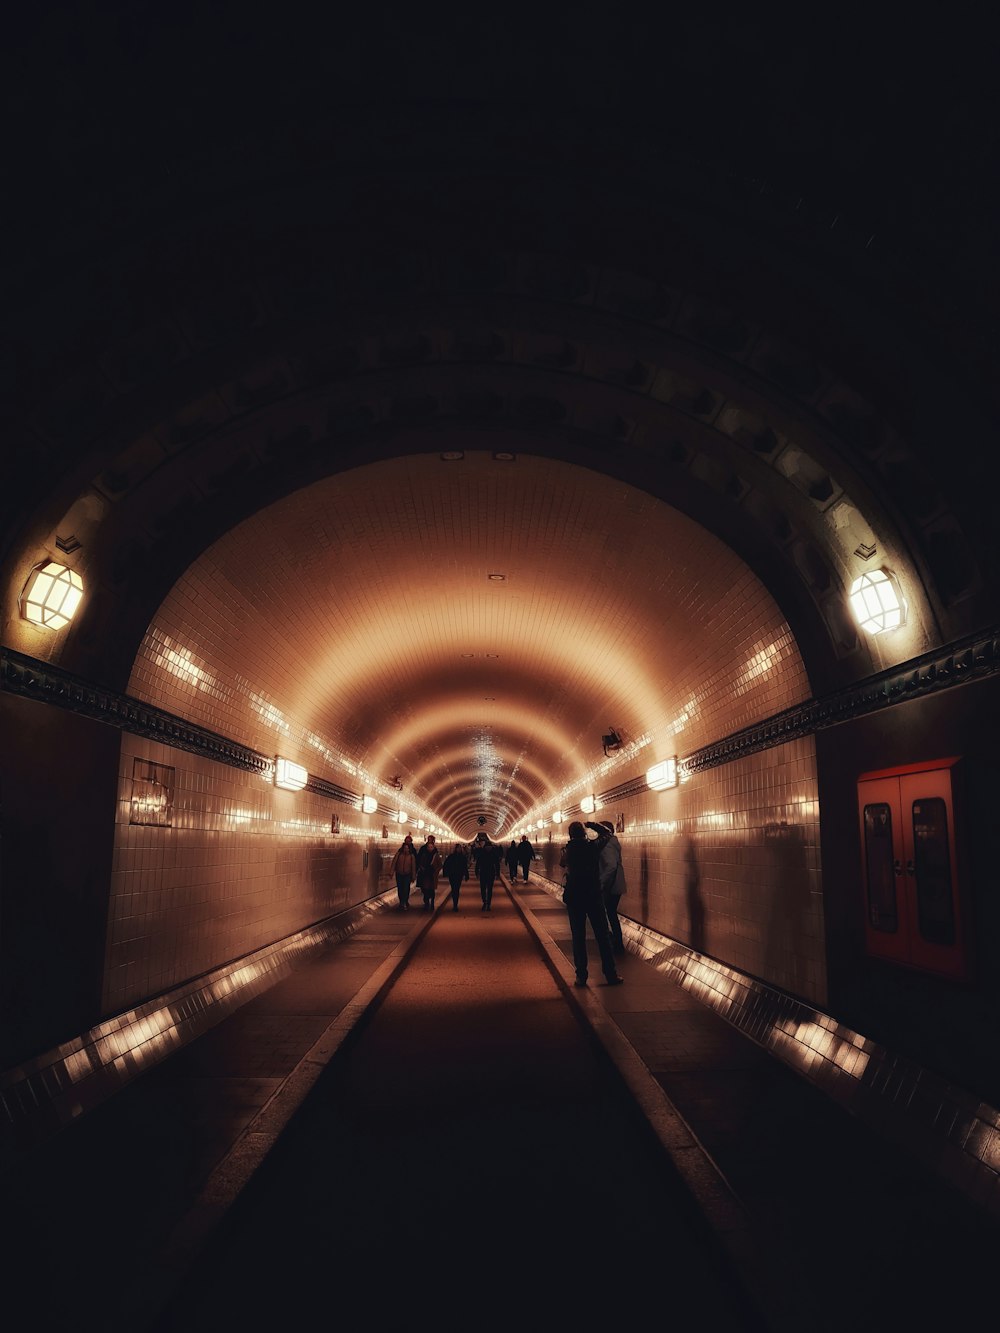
404, 866
613, 884
488, 855
525, 856
582, 895
428, 869
511, 859
456, 869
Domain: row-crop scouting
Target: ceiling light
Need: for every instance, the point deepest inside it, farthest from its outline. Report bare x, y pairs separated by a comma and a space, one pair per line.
662, 775
51, 595
452, 455
289, 776
876, 602
497, 578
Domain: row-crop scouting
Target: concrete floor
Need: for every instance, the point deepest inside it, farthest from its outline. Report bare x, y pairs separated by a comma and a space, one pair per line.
429, 1119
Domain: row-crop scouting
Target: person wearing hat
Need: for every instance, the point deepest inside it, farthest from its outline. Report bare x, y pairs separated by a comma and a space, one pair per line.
612, 884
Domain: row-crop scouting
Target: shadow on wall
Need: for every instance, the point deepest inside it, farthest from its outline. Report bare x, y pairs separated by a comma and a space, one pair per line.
784, 939
693, 898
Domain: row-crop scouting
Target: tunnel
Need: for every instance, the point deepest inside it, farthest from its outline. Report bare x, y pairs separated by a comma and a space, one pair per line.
469, 464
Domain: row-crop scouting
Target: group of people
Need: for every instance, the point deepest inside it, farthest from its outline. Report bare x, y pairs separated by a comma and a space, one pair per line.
519, 856
425, 866
594, 882
593, 886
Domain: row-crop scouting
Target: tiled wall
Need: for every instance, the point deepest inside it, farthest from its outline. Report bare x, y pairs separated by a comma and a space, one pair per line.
241, 865
729, 863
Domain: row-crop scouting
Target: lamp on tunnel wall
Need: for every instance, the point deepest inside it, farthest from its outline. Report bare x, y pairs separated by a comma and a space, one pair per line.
368, 805
588, 805
289, 776
662, 775
876, 602
51, 595
401, 816
557, 816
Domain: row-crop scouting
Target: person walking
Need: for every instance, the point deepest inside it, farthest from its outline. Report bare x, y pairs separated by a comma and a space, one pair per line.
428, 870
456, 869
488, 855
525, 856
404, 866
613, 884
510, 856
582, 895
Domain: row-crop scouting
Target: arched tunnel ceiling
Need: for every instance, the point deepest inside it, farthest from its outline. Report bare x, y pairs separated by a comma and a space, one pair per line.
728, 274
473, 626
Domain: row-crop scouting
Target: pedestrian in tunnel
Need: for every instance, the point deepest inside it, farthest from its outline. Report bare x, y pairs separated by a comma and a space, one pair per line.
488, 855
428, 870
404, 866
584, 902
525, 856
510, 856
612, 884
456, 869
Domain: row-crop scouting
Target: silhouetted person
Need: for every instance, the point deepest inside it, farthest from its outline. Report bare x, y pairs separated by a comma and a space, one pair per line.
404, 866
612, 884
428, 869
456, 869
584, 902
488, 855
510, 856
525, 856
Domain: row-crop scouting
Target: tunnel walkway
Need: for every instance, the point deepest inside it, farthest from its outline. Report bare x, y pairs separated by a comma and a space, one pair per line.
429, 1120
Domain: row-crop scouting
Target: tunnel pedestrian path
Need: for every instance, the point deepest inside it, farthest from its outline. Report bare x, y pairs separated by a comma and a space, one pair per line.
427, 1117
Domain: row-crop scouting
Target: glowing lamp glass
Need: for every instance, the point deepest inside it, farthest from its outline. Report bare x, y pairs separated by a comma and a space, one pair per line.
588, 805
401, 817
369, 805
876, 602
51, 595
557, 816
662, 775
289, 776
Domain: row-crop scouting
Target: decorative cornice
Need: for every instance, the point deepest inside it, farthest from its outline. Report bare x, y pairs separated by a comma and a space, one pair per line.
973, 658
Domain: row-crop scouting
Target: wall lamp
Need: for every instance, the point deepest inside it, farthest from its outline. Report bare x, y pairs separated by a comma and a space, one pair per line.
557, 816
369, 805
51, 595
662, 775
876, 602
401, 817
588, 805
289, 776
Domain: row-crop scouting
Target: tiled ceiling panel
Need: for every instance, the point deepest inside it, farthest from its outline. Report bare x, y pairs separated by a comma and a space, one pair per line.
474, 626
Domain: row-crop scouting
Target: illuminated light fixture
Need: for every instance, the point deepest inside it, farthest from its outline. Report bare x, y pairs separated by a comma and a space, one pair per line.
876, 602
51, 595
588, 805
401, 817
289, 776
420, 823
497, 578
662, 775
557, 816
368, 805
